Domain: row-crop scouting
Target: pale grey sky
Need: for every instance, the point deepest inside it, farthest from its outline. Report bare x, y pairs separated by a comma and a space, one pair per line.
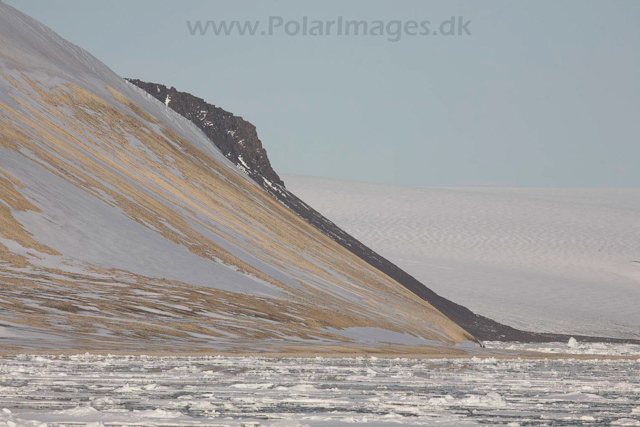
542, 93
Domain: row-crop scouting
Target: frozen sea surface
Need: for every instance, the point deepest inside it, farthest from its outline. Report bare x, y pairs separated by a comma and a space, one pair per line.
173, 391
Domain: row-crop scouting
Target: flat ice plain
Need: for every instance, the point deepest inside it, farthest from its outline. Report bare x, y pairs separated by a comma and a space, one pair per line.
554, 260
185, 391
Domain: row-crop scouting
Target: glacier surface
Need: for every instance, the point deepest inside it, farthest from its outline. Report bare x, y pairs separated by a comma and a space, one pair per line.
548, 260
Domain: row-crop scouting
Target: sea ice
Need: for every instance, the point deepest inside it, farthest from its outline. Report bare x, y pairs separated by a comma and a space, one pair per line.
317, 392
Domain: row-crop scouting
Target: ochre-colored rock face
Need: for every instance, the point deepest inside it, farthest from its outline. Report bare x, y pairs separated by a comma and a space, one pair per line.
124, 229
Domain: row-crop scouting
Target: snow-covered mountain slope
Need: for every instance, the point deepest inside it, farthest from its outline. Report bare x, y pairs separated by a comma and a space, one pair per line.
553, 260
123, 227
238, 140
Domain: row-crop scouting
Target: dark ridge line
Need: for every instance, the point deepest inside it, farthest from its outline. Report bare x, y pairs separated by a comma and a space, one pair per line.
238, 140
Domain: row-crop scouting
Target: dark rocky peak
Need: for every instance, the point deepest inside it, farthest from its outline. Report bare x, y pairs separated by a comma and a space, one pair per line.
235, 137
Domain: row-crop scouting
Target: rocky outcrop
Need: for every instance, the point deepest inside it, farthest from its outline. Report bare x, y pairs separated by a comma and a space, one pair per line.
239, 142
234, 136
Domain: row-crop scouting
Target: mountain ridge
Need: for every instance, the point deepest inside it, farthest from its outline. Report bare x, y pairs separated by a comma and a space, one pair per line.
480, 326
